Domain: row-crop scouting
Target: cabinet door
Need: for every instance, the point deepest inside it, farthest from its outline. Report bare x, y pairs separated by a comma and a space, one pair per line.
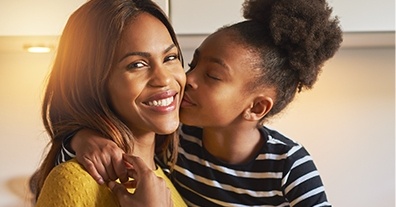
35, 18
41, 17
203, 16
365, 16
164, 4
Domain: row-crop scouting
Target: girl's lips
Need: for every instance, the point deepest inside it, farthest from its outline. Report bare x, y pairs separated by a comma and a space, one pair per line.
186, 101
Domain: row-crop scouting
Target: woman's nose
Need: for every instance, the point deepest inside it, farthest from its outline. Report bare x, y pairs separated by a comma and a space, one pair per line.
160, 77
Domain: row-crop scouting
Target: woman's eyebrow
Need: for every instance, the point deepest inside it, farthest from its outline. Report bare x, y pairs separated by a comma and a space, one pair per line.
169, 48
145, 54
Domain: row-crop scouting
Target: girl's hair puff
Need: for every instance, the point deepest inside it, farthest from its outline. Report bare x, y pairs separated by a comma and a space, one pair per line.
292, 40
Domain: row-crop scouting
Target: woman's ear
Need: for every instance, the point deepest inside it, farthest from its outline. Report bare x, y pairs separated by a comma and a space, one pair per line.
260, 106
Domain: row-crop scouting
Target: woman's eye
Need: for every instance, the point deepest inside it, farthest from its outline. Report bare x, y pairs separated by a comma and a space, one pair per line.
171, 57
136, 65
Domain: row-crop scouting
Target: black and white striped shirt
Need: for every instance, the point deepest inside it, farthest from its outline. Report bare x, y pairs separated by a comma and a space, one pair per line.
282, 174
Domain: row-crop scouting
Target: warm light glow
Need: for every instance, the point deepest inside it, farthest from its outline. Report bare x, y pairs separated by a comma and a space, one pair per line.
38, 49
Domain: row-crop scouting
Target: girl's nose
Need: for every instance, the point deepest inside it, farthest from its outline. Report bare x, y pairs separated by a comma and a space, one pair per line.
191, 81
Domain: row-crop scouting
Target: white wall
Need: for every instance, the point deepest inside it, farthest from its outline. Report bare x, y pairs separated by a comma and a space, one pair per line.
346, 122
22, 134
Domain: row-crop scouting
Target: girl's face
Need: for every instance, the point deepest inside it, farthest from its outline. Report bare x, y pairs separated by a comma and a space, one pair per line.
147, 79
216, 90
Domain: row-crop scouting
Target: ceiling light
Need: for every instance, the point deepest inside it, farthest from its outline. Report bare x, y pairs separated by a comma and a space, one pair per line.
38, 48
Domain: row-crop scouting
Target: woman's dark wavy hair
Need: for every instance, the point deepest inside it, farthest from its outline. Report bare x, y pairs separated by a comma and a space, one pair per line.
292, 40
76, 95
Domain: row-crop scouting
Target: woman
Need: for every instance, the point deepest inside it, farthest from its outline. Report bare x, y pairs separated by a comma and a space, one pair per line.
118, 71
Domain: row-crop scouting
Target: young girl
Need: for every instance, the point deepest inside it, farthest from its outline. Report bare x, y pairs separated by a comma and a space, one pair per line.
118, 70
239, 77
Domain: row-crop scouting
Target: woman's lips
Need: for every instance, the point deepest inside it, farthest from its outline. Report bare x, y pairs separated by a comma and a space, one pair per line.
162, 102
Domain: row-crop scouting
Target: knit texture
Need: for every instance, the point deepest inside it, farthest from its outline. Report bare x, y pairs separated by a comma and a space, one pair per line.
69, 185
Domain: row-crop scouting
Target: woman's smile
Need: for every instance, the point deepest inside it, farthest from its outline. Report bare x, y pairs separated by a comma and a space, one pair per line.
163, 102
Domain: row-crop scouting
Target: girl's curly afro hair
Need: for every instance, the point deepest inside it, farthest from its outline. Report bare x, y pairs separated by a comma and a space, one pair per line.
292, 40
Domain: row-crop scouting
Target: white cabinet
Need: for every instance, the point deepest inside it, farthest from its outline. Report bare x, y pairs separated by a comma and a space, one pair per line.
205, 16
48, 17
35, 18
40, 17
365, 16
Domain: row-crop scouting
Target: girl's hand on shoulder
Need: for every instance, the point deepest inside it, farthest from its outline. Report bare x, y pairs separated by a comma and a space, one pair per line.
101, 157
150, 190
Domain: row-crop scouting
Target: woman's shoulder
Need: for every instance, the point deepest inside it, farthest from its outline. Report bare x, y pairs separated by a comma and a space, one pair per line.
71, 175
70, 171
69, 184
70, 165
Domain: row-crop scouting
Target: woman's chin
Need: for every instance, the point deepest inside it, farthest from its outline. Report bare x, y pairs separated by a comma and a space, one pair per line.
169, 129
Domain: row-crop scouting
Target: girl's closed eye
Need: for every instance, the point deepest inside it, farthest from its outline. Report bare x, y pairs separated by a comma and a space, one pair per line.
214, 77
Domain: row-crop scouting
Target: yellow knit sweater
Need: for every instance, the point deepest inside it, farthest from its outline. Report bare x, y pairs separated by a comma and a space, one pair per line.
69, 185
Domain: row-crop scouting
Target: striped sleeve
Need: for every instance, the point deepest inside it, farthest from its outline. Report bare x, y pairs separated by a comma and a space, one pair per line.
301, 182
66, 153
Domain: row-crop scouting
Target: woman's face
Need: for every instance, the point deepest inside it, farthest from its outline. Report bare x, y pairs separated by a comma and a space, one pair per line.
147, 79
215, 94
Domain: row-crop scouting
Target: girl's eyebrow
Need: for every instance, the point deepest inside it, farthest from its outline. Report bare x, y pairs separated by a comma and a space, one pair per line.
215, 60
219, 62
146, 54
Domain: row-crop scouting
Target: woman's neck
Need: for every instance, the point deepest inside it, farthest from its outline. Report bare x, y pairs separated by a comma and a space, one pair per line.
233, 145
144, 147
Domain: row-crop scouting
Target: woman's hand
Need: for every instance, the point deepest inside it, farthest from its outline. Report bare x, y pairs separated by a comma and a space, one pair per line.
151, 190
101, 157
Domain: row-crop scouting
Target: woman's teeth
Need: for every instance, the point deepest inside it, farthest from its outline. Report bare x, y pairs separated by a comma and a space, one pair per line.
162, 102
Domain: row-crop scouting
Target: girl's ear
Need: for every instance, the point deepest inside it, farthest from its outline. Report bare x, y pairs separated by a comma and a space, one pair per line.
260, 106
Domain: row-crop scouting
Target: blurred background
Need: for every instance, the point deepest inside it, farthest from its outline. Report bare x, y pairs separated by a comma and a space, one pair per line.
347, 122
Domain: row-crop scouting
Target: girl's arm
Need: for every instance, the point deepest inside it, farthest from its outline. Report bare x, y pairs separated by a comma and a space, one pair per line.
101, 157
